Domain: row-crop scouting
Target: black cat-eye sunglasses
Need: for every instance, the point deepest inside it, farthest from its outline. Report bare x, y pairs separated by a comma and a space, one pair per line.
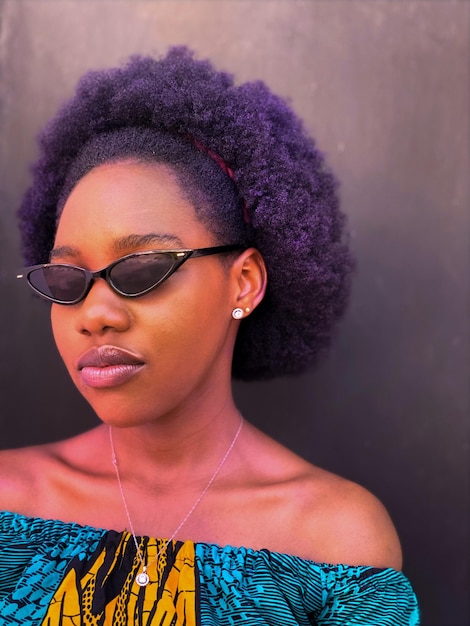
132, 275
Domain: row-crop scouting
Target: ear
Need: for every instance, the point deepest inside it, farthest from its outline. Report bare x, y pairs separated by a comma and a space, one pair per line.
249, 280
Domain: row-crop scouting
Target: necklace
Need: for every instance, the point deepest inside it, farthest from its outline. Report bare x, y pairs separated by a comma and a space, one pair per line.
142, 578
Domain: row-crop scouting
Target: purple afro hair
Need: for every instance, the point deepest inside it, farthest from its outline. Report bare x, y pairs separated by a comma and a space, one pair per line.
289, 193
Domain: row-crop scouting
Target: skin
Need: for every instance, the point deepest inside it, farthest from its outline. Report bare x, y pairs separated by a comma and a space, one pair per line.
174, 420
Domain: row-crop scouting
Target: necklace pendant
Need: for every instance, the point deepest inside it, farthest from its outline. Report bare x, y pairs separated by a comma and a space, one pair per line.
142, 579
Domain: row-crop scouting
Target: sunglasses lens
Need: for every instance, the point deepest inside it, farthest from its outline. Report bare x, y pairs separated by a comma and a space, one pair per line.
141, 272
59, 282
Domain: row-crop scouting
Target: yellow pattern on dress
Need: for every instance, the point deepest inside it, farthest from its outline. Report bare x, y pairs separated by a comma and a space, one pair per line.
168, 600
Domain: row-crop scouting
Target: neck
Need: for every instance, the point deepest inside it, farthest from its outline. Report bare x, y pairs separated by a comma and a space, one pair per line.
171, 451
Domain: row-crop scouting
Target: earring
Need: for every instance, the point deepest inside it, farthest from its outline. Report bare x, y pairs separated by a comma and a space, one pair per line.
237, 313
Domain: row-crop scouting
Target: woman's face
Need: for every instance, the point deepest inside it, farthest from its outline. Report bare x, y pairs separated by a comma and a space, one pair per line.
176, 342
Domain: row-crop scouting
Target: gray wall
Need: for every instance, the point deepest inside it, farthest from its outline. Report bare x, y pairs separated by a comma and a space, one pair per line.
384, 87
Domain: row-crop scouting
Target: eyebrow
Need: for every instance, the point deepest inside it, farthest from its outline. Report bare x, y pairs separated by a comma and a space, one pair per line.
123, 244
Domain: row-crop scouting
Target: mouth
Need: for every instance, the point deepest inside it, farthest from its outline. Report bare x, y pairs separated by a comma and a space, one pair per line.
108, 366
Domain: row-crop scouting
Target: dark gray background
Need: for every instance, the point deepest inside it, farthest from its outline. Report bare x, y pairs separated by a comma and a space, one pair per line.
384, 87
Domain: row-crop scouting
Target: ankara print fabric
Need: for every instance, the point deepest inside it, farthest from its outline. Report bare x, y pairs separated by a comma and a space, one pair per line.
102, 589
55, 573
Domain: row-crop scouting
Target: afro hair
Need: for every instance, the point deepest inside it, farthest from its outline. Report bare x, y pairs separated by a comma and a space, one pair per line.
290, 195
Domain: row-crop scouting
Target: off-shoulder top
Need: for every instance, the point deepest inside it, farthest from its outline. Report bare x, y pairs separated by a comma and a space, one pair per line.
54, 572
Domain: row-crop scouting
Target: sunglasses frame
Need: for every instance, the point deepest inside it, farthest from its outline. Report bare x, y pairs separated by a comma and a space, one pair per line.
180, 256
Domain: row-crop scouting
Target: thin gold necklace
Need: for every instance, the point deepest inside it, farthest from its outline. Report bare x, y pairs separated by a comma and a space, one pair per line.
142, 577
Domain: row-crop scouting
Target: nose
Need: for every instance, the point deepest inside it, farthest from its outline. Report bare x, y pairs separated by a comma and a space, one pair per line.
102, 311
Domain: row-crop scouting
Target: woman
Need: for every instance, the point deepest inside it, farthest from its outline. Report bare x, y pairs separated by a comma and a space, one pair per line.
186, 231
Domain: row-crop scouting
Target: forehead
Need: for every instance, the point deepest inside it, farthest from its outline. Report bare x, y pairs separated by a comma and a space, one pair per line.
117, 199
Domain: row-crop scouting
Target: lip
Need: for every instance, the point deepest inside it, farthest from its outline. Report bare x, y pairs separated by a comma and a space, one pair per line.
108, 366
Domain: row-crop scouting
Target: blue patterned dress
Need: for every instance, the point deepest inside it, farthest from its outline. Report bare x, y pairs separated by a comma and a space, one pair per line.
53, 572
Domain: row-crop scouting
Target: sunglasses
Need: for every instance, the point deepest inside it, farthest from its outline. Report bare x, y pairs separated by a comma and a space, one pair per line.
132, 275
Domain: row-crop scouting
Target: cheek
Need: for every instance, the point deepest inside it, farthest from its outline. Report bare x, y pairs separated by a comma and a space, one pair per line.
203, 308
60, 329
186, 336
66, 338
180, 330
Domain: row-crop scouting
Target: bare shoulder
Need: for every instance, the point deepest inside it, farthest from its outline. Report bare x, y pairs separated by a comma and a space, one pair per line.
29, 476
354, 526
335, 519
20, 472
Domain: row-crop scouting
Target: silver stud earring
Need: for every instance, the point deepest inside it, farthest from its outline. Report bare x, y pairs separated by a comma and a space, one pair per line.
237, 313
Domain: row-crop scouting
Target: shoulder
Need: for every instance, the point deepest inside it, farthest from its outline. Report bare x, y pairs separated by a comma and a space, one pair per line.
347, 524
326, 518
31, 477
20, 476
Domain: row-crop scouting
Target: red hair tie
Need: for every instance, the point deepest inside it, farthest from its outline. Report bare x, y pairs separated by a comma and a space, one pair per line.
224, 167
